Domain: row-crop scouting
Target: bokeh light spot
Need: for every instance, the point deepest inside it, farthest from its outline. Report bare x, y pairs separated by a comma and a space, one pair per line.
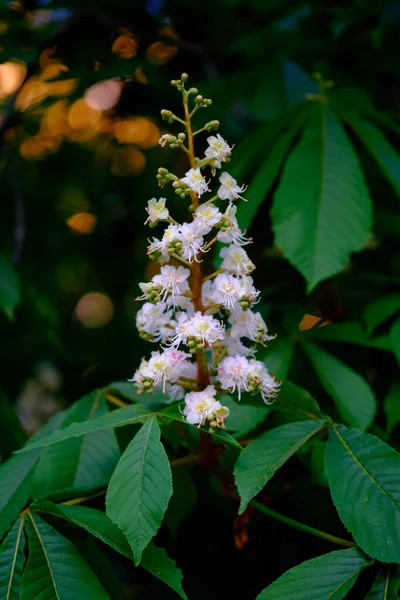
82, 223
94, 310
12, 74
137, 130
82, 116
103, 95
129, 161
160, 53
125, 46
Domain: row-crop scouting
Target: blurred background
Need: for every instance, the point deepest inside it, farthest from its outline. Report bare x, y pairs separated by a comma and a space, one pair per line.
81, 89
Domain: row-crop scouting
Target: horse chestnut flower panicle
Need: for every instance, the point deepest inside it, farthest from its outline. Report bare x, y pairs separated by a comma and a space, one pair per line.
205, 324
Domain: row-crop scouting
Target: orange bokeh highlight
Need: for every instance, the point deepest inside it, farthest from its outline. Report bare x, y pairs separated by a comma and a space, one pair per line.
125, 45
12, 75
137, 130
94, 310
82, 223
129, 161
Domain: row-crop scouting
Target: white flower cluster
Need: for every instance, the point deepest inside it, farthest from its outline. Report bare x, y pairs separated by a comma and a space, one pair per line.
209, 318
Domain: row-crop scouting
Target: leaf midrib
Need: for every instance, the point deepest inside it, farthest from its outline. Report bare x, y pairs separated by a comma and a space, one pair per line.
14, 560
361, 466
45, 555
140, 514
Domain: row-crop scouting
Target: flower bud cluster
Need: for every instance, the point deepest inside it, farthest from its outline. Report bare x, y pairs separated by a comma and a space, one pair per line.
207, 318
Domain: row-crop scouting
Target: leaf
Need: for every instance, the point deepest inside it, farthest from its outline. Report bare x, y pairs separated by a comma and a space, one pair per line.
278, 356
12, 562
386, 585
117, 418
267, 173
157, 562
297, 400
140, 488
16, 475
327, 577
55, 570
322, 210
353, 397
395, 339
10, 294
350, 332
363, 474
101, 566
81, 463
262, 458
98, 524
391, 406
376, 143
94, 521
380, 310
243, 418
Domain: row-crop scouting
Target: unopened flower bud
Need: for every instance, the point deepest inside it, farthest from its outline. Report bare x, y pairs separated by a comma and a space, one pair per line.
193, 91
198, 99
184, 77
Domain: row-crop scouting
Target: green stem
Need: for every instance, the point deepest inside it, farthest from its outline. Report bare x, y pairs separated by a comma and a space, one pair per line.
301, 526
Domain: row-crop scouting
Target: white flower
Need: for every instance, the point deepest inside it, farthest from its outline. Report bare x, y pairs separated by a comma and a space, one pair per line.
182, 331
261, 381
167, 138
202, 406
230, 232
161, 368
174, 392
172, 281
205, 327
229, 189
233, 373
171, 235
192, 241
157, 247
152, 319
227, 290
206, 217
217, 148
245, 323
195, 181
250, 294
157, 211
236, 260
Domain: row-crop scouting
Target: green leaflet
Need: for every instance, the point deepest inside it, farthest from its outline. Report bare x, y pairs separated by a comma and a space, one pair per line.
117, 418
267, 173
182, 501
10, 294
327, 577
12, 562
81, 463
140, 488
298, 401
363, 475
380, 310
350, 332
263, 457
16, 475
155, 560
322, 208
55, 570
376, 143
395, 339
244, 418
353, 397
386, 585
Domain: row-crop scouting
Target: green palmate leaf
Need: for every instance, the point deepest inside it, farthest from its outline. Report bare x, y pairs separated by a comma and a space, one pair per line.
395, 339
391, 406
158, 563
16, 476
298, 401
386, 585
322, 209
363, 474
12, 562
267, 173
244, 418
55, 570
380, 310
278, 356
328, 577
353, 397
127, 415
10, 294
79, 463
376, 143
350, 332
101, 566
262, 458
140, 488
98, 524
